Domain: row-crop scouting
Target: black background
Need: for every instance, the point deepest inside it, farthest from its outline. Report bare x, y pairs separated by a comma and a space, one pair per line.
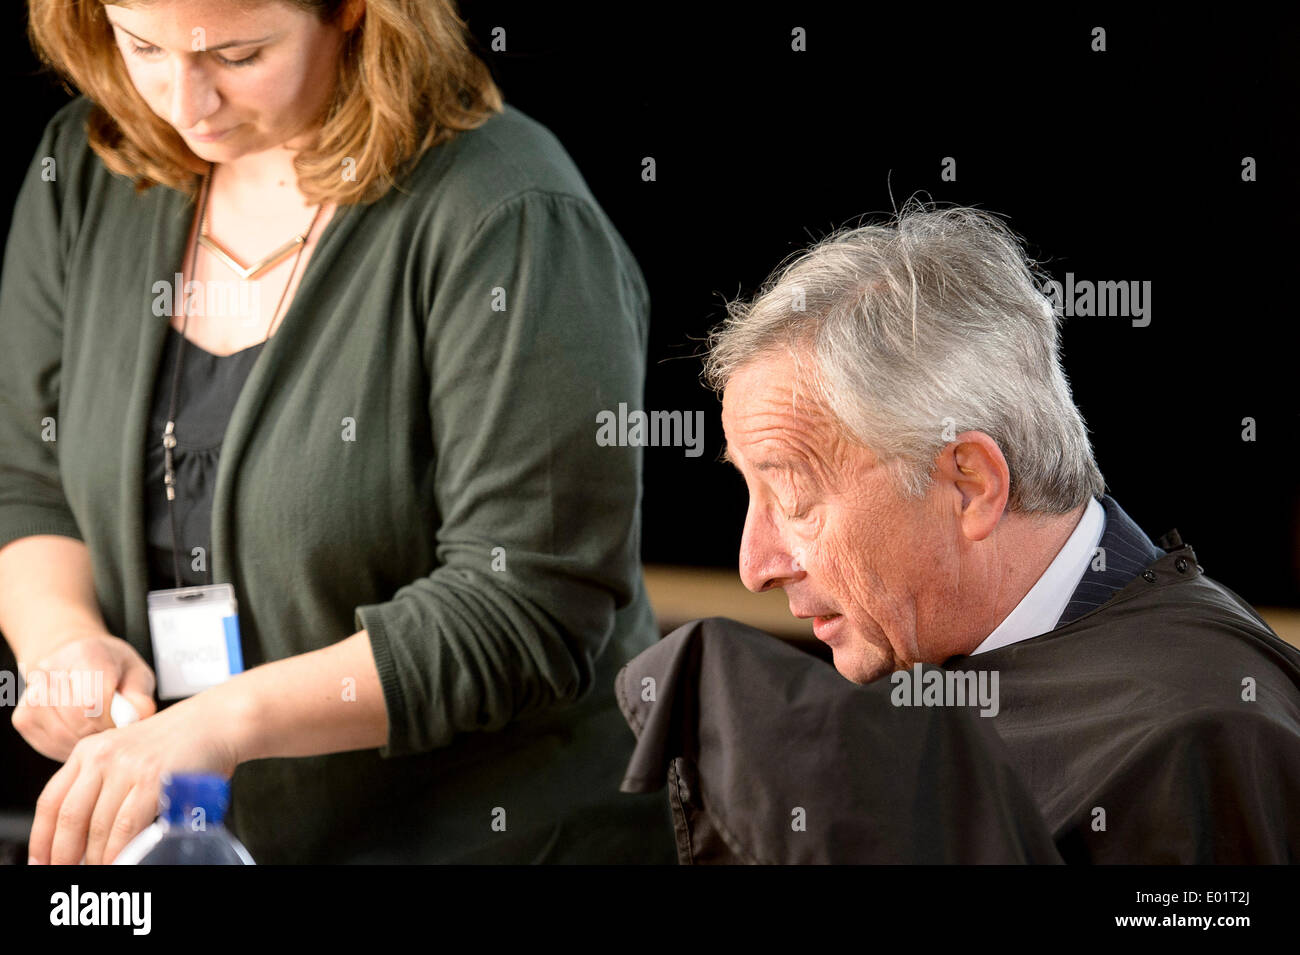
1122, 165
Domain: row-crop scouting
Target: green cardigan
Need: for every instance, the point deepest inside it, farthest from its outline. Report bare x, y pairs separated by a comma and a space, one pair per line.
473, 429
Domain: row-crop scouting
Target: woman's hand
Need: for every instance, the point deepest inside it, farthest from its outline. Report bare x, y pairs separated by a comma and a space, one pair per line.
69, 689
326, 701
107, 791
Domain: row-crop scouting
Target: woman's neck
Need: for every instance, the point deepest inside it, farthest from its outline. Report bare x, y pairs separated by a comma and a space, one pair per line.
264, 182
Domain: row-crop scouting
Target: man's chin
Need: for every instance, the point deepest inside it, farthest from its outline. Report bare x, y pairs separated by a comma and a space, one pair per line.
859, 667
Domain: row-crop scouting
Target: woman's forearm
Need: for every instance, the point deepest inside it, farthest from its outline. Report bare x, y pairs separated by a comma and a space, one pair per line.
47, 594
325, 701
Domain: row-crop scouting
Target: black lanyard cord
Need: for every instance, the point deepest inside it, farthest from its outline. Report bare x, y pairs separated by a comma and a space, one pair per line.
169, 433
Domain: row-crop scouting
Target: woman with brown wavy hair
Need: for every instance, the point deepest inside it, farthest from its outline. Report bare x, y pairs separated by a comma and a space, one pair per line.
294, 302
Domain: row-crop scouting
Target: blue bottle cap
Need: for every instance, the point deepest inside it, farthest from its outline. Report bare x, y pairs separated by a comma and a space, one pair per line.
183, 793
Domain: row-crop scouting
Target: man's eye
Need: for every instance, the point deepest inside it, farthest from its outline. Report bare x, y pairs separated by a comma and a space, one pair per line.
798, 513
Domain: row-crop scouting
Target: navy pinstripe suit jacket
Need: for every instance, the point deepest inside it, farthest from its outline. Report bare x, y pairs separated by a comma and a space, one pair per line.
1127, 551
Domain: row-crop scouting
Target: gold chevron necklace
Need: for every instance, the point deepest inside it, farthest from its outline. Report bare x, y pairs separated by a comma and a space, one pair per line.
247, 272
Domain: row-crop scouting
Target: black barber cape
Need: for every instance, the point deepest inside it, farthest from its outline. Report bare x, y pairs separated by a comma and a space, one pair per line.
1159, 722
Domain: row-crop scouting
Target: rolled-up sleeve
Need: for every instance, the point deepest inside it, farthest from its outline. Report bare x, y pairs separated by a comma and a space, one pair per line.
538, 323
31, 342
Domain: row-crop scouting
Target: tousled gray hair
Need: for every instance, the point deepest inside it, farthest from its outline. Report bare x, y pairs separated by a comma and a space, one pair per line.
929, 325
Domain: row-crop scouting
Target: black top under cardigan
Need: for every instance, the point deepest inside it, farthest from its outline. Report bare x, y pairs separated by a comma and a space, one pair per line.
209, 387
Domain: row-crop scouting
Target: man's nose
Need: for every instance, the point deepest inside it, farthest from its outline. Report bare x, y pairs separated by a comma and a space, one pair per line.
765, 560
193, 97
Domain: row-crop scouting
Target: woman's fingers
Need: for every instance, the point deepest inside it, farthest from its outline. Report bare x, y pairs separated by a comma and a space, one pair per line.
48, 806
138, 810
137, 686
72, 821
105, 814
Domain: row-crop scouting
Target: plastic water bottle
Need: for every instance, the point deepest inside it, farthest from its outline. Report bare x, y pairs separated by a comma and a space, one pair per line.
188, 830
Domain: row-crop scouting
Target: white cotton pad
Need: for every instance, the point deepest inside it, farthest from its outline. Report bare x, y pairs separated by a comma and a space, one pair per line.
122, 711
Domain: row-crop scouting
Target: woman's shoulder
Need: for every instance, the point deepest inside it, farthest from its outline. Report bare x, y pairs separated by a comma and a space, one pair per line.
65, 176
65, 138
511, 155
69, 121
65, 161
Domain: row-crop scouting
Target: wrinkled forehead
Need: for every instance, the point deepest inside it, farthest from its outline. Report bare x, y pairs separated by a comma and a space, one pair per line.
766, 410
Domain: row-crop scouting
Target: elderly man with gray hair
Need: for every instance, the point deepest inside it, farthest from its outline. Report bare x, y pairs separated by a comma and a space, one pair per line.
1029, 677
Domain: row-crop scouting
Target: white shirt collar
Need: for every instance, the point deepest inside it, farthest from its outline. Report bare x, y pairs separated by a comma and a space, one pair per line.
1039, 609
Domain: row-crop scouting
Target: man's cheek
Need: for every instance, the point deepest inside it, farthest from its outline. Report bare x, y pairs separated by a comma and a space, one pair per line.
835, 561
805, 548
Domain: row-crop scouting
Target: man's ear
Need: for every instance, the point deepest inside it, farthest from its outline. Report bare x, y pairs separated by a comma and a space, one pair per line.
973, 466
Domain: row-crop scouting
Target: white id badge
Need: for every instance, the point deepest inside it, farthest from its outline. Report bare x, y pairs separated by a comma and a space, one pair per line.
195, 633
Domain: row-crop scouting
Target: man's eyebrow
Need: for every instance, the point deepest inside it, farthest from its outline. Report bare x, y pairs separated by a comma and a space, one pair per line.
768, 464
781, 464
206, 49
